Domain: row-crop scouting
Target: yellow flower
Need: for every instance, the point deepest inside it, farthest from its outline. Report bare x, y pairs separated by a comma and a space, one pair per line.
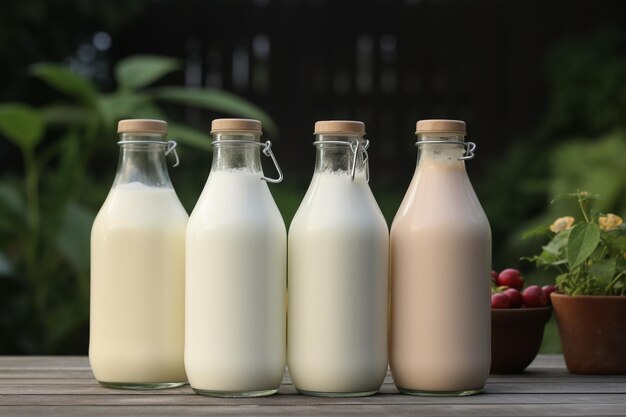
561, 224
584, 194
610, 221
624, 255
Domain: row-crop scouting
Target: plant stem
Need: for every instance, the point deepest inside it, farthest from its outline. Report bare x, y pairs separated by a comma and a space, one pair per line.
608, 287
603, 253
558, 267
582, 208
576, 281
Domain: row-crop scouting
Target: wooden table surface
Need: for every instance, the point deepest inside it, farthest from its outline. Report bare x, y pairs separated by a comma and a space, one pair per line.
64, 386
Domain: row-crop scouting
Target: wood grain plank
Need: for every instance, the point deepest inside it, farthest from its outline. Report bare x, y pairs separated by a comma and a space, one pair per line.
90, 387
68, 362
54, 374
44, 362
530, 377
291, 398
65, 386
559, 410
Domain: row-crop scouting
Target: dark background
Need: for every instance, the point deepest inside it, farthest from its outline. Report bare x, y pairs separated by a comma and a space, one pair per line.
541, 85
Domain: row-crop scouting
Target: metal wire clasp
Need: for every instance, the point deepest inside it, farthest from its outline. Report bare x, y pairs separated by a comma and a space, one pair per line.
267, 151
171, 147
356, 146
470, 147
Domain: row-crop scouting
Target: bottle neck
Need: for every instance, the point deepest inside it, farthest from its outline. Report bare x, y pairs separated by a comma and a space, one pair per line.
233, 151
142, 160
441, 154
334, 154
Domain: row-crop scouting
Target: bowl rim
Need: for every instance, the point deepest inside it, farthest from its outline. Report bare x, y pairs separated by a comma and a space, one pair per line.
525, 317
525, 309
563, 296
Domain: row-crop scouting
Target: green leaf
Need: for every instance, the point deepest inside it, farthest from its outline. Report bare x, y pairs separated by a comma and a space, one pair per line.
189, 136
583, 239
149, 110
558, 243
615, 240
64, 115
537, 231
545, 259
216, 100
65, 81
140, 71
21, 124
564, 196
588, 196
563, 281
575, 196
604, 270
120, 105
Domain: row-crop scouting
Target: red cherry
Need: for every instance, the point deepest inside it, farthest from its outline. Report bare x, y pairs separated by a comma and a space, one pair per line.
547, 290
511, 278
515, 297
534, 297
494, 277
499, 300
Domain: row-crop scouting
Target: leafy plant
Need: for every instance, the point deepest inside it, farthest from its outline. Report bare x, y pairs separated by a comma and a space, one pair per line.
133, 98
46, 213
590, 255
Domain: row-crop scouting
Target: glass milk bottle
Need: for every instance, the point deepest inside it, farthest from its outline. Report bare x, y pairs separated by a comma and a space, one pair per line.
440, 264
236, 272
138, 268
338, 272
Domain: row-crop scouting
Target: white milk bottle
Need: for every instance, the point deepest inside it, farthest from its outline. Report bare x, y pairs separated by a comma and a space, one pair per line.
338, 273
138, 268
440, 263
236, 272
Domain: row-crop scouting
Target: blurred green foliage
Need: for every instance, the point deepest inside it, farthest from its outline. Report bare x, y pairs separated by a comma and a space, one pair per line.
49, 196
47, 210
586, 77
580, 145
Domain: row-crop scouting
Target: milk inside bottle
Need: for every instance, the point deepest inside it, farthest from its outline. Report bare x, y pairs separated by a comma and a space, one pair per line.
236, 272
338, 273
138, 268
440, 264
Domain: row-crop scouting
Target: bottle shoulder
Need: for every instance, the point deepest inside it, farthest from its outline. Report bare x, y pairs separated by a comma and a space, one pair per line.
225, 201
141, 204
329, 205
436, 199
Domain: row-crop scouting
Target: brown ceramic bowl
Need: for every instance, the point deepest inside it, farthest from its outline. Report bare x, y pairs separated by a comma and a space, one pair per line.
516, 336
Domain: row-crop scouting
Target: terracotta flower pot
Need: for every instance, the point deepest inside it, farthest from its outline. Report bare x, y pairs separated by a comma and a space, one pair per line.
593, 332
516, 336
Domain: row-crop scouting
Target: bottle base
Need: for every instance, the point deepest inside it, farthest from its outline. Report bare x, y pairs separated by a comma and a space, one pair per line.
141, 385
423, 393
337, 394
235, 394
